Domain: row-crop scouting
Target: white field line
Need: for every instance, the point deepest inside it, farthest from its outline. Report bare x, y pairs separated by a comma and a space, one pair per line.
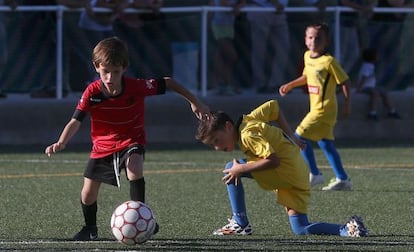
60, 161
390, 166
72, 174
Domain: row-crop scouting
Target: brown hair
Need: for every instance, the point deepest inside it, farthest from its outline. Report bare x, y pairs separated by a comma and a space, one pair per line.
207, 127
319, 26
110, 51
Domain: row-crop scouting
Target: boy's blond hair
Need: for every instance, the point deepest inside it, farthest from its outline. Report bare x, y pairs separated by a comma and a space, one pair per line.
110, 51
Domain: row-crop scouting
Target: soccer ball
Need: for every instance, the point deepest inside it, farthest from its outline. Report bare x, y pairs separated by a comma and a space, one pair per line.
133, 222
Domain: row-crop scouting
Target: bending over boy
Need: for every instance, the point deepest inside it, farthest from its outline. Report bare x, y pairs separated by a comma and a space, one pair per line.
273, 159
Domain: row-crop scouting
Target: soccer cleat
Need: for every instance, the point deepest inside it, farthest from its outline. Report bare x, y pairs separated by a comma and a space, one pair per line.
234, 229
354, 228
87, 233
338, 185
316, 179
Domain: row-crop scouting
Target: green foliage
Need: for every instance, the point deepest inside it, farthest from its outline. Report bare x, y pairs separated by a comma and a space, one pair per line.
40, 202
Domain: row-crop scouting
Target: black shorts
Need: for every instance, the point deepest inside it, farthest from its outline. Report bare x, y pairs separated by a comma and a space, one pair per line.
102, 169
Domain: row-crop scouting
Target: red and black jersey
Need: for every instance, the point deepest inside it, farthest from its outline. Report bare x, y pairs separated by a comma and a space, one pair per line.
117, 121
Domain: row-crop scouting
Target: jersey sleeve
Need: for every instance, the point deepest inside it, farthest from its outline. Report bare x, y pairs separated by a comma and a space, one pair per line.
268, 111
84, 103
79, 115
162, 86
256, 146
337, 72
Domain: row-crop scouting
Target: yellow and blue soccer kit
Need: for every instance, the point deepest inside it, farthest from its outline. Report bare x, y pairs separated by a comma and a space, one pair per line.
323, 75
258, 139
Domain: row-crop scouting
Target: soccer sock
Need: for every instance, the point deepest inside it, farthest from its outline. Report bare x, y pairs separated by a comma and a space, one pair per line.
237, 202
333, 157
309, 156
300, 226
89, 213
137, 190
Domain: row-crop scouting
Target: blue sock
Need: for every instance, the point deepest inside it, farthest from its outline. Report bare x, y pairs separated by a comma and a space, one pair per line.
333, 157
237, 202
301, 226
309, 156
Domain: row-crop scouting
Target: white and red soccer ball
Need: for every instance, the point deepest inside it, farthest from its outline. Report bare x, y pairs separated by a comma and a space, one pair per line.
133, 222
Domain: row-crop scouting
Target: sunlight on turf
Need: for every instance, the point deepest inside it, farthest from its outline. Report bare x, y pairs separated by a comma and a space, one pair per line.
40, 203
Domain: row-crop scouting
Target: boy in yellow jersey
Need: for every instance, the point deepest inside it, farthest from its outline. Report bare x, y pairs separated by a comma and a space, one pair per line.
322, 74
273, 160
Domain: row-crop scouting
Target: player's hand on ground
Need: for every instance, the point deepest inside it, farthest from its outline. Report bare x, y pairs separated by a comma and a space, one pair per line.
51, 149
232, 174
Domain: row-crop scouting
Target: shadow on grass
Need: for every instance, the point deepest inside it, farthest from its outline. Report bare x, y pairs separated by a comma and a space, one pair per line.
303, 243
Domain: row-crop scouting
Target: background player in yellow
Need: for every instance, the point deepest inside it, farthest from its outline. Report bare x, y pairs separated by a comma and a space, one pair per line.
273, 160
323, 74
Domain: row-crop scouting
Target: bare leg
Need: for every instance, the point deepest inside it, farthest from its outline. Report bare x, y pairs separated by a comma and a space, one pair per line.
90, 190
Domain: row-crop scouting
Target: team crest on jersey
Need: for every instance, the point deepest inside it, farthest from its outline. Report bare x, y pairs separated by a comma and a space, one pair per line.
313, 89
149, 84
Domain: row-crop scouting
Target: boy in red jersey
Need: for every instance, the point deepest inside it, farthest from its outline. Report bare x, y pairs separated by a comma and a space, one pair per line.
116, 106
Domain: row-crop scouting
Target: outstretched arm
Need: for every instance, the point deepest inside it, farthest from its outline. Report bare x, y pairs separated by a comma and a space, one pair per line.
200, 109
285, 89
68, 132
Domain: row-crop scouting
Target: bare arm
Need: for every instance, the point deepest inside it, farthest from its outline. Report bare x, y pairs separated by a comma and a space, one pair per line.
68, 132
283, 124
200, 109
346, 109
285, 89
237, 169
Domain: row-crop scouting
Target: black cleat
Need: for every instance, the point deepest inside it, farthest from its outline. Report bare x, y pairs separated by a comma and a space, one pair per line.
87, 233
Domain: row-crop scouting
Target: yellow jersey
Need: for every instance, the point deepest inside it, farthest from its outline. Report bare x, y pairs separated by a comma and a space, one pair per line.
323, 75
258, 140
